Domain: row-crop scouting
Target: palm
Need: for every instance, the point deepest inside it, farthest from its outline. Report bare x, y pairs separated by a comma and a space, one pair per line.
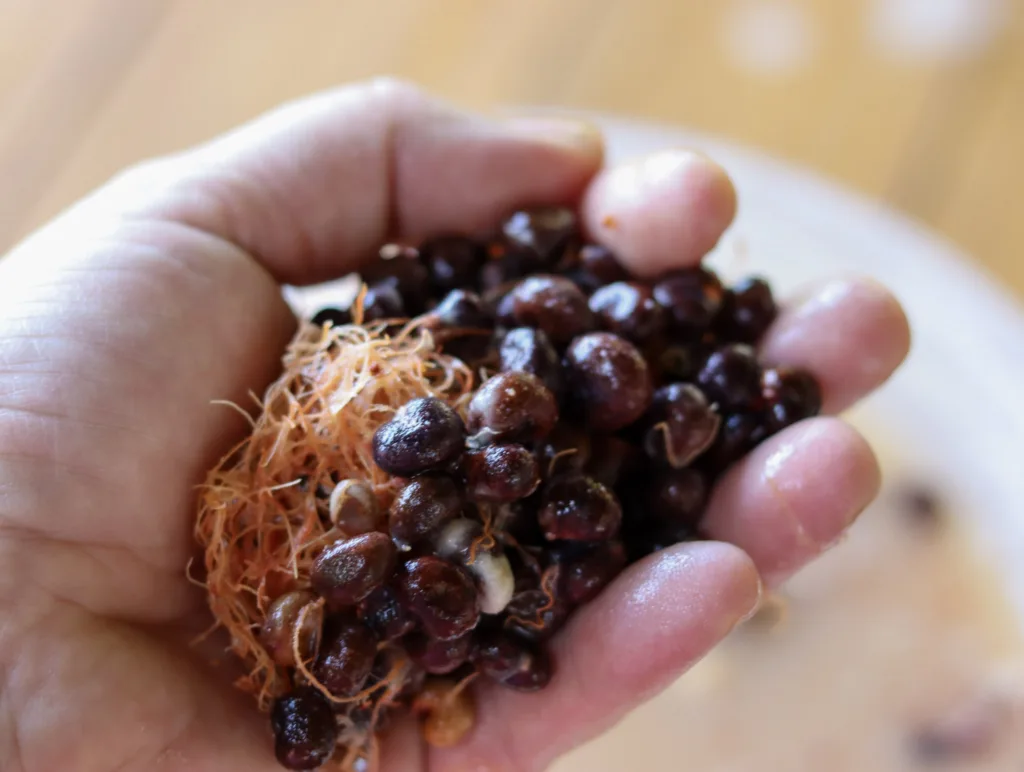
117, 341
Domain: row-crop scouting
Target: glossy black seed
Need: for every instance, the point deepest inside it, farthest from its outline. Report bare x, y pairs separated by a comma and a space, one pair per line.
507, 266
424, 505
676, 498
738, 435
383, 301
692, 298
453, 262
747, 311
439, 657
336, 317
731, 377
628, 308
500, 473
498, 655
566, 449
519, 520
462, 309
346, 656
681, 425
400, 268
595, 267
545, 232
512, 407
441, 595
789, 396
609, 379
305, 730
582, 577
533, 674
549, 303
578, 508
350, 569
527, 350
534, 615
424, 434
386, 615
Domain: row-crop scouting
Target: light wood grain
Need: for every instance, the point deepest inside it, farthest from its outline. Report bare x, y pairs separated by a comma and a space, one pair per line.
87, 87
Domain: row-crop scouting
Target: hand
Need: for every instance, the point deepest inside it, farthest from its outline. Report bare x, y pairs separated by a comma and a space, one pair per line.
124, 318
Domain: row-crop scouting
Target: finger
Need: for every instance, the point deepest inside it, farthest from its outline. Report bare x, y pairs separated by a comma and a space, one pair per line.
794, 495
663, 211
318, 185
401, 748
635, 639
850, 333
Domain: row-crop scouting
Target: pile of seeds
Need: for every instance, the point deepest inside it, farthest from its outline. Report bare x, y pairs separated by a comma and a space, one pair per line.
469, 478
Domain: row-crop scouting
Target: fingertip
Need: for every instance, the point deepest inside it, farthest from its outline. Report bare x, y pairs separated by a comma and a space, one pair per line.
662, 211
673, 606
852, 333
795, 495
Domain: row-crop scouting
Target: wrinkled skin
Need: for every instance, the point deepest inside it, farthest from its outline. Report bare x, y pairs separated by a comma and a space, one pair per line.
123, 319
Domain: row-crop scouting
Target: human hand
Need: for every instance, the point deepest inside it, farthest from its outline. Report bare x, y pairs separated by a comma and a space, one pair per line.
125, 317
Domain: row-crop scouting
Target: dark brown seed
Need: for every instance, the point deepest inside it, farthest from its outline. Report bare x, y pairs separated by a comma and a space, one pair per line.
511, 407
731, 377
500, 473
629, 309
453, 262
305, 731
422, 507
676, 497
610, 380
336, 317
747, 311
582, 578
400, 267
507, 266
346, 656
534, 615
789, 396
383, 301
682, 425
577, 508
439, 657
385, 614
612, 459
566, 449
279, 627
353, 509
549, 303
533, 674
349, 570
461, 309
596, 267
527, 350
738, 435
545, 232
498, 655
424, 434
441, 595
692, 298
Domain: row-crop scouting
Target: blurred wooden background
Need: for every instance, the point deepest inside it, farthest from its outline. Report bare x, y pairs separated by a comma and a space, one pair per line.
918, 102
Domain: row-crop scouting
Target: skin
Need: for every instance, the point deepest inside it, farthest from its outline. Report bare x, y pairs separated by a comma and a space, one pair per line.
124, 318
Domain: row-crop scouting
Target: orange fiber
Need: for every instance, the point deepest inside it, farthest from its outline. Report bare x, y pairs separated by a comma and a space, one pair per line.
260, 521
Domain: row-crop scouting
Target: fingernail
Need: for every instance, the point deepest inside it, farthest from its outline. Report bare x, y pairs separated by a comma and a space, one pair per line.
577, 136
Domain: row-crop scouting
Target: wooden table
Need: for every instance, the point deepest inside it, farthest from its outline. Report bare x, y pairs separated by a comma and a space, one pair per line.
88, 86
